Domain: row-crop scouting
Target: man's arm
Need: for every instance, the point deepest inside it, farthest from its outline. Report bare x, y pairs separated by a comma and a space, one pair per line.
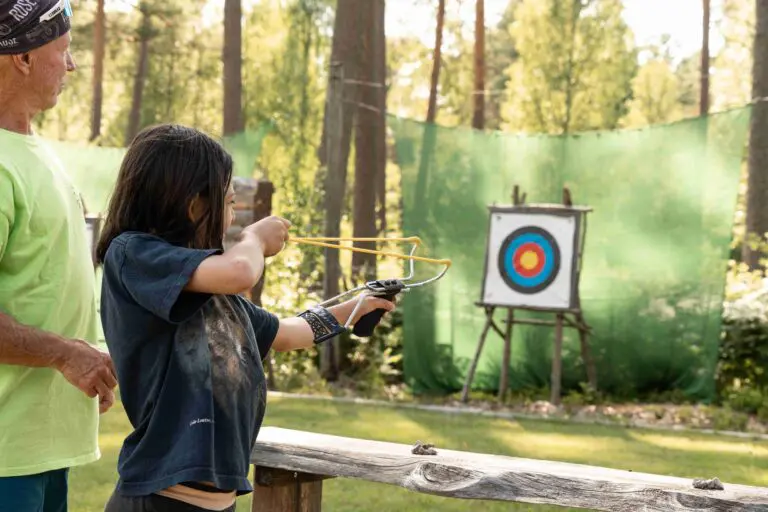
83, 365
26, 346
295, 333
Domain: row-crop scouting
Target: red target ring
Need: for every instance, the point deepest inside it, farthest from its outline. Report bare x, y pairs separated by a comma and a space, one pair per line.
529, 259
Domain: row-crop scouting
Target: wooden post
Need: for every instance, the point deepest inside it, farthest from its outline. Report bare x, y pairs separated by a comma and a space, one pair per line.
586, 354
276, 490
504, 383
334, 192
262, 208
488, 322
93, 228
253, 202
557, 361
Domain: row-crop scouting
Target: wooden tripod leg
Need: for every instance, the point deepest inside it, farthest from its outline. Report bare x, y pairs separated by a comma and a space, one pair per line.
504, 383
557, 362
473, 367
586, 353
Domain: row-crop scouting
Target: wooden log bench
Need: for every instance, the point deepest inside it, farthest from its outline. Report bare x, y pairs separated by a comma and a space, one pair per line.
290, 467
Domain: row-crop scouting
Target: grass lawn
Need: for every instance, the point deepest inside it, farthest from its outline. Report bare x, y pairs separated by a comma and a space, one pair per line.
678, 454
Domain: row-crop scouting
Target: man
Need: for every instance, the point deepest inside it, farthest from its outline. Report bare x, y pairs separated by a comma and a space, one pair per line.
50, 371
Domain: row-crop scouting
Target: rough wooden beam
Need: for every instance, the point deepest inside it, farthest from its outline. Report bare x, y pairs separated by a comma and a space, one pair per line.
491, 477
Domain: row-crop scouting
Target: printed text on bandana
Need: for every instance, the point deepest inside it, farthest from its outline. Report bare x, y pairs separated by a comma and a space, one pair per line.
22, 9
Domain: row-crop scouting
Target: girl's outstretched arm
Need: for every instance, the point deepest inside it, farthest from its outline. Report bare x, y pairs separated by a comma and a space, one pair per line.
240, 268
295, 333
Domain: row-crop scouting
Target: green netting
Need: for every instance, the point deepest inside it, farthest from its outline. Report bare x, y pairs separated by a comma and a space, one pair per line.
656, 249
94, 169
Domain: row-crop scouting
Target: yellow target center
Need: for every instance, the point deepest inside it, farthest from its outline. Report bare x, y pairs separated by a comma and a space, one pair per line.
529, 260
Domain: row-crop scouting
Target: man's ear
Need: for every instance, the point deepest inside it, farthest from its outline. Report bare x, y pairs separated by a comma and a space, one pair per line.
23, 62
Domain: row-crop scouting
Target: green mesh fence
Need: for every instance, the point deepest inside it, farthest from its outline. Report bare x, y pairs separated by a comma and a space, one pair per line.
655, 258
94, 169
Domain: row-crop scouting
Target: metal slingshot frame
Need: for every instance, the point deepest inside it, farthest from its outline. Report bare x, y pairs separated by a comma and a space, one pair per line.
385, 288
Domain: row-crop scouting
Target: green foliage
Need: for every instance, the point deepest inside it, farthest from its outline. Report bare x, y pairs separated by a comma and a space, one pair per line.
575, 66
742, 371
656, 96
731, 85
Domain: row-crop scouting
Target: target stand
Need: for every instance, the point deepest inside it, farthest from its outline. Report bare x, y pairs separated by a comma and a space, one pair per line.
533, 262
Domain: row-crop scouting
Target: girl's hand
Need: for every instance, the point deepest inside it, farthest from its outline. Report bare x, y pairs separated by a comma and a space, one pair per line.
272, 233
369, 304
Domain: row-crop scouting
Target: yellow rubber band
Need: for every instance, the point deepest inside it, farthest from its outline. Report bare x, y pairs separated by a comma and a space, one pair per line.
412, 239
315, 241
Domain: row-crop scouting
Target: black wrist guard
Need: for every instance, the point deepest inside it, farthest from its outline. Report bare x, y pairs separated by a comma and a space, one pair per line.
323, 323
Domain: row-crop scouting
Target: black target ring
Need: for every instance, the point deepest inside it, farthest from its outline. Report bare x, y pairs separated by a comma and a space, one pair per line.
529, 260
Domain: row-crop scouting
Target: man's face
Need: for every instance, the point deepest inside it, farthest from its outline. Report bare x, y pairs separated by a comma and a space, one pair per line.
48, 71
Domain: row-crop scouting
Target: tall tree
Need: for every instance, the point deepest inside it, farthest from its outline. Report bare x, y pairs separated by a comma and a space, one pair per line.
655, 95
99, 47
380, 77
704, 101
369, 133
146, 32
575, 66
434, 81
500, 54
757, 183
333, 153
736, 26
478, 115
428, 143
233, 63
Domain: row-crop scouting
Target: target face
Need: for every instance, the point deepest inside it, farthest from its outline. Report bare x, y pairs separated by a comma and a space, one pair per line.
529, 259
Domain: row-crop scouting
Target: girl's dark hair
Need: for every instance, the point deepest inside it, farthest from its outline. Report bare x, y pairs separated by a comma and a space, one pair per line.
164, 170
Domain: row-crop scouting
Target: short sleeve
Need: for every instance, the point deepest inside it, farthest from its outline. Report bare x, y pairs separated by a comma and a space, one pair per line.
155, 273
7, 210
265, 325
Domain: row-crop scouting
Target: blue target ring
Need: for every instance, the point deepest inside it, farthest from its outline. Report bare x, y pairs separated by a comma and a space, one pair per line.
529, 260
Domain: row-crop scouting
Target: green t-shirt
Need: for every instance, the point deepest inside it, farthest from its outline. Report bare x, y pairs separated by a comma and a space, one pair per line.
46, 281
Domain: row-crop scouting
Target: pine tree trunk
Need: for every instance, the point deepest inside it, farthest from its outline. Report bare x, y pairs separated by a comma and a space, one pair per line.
478, 116
368, 131
333, 153
757, 184
436, 62
140, 78
380, 77
704, 99
99, 44
232, 59
428, 140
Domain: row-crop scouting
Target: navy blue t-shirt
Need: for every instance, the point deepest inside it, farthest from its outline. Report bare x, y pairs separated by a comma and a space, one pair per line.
188, 365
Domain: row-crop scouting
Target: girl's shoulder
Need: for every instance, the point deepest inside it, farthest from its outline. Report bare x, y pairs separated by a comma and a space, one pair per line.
135, 241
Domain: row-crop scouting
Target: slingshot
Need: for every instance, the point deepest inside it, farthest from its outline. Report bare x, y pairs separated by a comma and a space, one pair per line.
384, 288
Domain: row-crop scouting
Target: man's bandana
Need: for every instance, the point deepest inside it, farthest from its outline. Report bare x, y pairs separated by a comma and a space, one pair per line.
29, 24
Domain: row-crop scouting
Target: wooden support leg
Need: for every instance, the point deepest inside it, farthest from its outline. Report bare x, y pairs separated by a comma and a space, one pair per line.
586, 354
504, 384
557, 361
276, 490
473, 367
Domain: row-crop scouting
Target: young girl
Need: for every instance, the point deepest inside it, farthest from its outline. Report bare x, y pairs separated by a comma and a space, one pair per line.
187, 349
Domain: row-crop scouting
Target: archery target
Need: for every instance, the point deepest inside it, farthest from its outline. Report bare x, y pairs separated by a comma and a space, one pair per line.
530, 260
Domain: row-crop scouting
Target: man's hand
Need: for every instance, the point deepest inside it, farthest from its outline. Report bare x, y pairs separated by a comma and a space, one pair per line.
90, 370
272, 232
105, 402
